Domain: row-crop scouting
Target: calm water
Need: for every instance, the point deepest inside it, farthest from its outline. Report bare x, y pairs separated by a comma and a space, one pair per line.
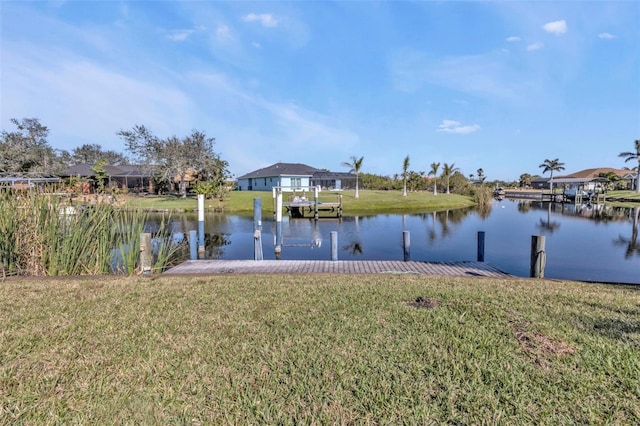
590, 243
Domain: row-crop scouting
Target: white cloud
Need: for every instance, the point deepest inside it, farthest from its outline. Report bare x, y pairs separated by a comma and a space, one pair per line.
451, 126
82, 101
180, 35
266, 19
606, 36
556, 27
479, 75
223, 33
535, 46
513, 39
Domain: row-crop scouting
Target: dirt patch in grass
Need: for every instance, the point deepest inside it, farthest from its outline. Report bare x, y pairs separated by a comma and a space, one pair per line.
538, 347
424, 303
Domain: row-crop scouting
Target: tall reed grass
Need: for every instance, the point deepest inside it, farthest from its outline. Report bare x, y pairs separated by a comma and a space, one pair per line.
43, 235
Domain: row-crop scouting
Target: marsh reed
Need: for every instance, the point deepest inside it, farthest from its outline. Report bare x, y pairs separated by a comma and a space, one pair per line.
44, 235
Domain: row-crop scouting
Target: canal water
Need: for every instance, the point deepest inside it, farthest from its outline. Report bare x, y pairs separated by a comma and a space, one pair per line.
583, 242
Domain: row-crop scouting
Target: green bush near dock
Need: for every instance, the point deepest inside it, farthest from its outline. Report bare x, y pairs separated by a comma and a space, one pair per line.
339, 349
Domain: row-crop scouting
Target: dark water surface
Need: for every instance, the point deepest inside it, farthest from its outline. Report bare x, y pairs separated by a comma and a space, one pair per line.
590, 243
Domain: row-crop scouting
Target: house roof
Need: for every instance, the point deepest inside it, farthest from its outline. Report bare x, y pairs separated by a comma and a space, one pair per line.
590, 174
282, 169
85, 170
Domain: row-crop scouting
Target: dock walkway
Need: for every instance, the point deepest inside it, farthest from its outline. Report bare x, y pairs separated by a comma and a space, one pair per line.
192, 267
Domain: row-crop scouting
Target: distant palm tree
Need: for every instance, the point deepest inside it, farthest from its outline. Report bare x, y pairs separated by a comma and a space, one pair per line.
354, 167
405, 168
634, 156
447, 171
434, 173
481, 176
551, 166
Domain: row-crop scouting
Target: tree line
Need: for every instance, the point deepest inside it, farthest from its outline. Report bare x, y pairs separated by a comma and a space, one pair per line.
27, 150
451, 178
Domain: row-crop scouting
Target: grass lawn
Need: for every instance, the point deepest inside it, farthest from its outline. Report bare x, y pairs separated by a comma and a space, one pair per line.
241, 202
319, 349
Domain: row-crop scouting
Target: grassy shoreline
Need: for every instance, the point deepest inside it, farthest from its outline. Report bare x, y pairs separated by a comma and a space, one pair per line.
332, 349
241, 202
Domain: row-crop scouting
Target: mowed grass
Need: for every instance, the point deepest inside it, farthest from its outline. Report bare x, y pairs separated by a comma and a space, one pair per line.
241, 202
319, 349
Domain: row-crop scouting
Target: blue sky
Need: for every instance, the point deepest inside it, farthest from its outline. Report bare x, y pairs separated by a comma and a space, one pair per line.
495, 85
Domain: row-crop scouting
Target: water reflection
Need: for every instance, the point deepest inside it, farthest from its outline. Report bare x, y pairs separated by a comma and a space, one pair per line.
354, 248
591, 242
548, 226
631, 244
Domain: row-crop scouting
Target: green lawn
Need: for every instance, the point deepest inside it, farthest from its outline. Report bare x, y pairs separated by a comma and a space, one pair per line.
319, 349
241, 202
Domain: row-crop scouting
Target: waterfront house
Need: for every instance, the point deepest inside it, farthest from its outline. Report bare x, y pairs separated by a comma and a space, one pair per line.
126, 177
294, 177
593, 179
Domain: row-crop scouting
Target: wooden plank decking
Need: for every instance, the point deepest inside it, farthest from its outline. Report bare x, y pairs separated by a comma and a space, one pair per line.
335, 267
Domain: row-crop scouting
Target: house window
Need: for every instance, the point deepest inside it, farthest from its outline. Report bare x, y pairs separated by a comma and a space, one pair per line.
296, 182
265, 181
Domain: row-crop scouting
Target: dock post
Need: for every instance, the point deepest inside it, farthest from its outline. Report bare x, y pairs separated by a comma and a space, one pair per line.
480, 246
334, 245
193, 245
278, 222
201, 226
315, 193
146, 256
406, 245
273, 193
257, 229
538, 256
340, 205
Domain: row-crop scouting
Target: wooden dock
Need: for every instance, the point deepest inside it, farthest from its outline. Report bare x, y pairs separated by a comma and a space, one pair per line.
195, 267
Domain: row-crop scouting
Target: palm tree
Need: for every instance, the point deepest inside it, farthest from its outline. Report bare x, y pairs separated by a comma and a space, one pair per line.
447, 171
634, 156
434, 173
405, 167
481, 176
551, 166
354, 166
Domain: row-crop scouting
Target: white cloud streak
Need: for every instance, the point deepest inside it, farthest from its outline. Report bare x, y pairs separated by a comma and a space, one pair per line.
451, 126
535, 46
556, 27
487, 76
266, 19
223, 33
606, 36
180, 35
513, 39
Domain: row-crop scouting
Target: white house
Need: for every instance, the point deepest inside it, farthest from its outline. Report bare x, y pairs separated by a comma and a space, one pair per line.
294, 177
591, 180
288, 176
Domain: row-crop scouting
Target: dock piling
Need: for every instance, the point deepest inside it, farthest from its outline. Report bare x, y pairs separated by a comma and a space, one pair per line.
201, 226
334, 245
406, 245
257, 229
278, 248
538, 256
193, 245
146, 256
480, 246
